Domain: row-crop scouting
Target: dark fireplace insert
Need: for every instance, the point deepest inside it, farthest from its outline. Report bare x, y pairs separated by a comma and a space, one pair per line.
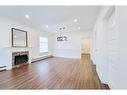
20, 59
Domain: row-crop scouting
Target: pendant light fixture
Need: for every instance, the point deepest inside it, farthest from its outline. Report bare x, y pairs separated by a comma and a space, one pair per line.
61, 37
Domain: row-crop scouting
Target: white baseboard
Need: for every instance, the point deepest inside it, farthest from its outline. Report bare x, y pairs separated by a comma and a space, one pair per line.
41, 58
2, 68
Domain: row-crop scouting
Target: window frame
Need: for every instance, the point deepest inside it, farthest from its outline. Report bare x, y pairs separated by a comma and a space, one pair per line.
43, 42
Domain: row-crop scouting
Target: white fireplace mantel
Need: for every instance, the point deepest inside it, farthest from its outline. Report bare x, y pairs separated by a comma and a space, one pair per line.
6, 55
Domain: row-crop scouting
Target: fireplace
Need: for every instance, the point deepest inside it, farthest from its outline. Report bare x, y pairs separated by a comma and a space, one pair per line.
20, 58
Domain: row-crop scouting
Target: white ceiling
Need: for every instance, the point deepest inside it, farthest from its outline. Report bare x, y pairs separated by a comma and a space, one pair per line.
54, 16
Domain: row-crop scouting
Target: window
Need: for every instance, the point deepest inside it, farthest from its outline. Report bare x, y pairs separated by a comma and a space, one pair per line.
43, 44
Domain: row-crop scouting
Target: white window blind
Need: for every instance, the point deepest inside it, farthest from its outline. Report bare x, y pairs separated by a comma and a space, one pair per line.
43, 44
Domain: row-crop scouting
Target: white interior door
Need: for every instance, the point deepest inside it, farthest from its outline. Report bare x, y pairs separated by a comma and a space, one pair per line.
85, 45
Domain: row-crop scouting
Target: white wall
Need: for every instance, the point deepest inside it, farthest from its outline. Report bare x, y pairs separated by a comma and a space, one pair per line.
33, 40
122, 28
99, 47
109, 48
72, 47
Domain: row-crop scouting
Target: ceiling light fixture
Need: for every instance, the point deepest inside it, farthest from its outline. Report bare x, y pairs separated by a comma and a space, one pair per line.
27, 16
79, 28
76, 20
46, 26
61, 37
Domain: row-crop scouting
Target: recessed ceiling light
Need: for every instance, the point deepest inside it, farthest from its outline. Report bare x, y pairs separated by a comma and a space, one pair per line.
27, 16
79, 28
75, 20
56, 31
46, 26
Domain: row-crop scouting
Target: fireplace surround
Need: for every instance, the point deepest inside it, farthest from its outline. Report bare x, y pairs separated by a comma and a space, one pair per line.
20, 58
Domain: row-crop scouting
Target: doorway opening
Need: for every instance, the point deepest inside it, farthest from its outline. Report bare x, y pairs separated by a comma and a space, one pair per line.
85, 49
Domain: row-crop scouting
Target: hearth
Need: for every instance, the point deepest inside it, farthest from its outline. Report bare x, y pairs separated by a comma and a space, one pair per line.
20, 58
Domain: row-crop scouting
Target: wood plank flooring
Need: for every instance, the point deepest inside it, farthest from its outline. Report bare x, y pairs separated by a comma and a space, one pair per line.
85, 58
52, 73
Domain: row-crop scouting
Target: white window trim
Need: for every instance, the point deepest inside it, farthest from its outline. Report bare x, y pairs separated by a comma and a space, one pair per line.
42, 42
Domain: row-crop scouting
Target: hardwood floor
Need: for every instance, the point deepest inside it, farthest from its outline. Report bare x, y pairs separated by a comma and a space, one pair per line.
85, 58
52, 73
